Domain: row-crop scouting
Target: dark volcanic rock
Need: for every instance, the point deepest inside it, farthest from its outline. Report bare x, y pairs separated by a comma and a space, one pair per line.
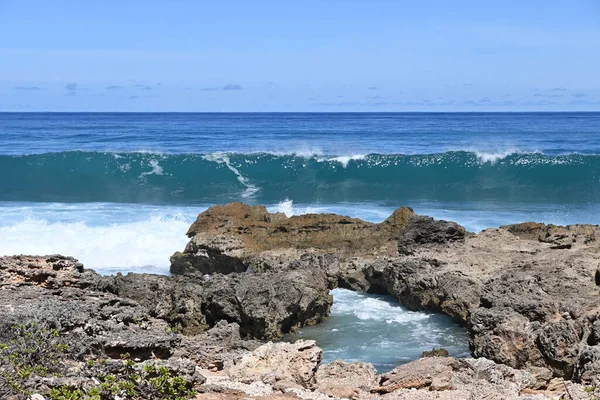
265, 306
422, 230
55, 290
175, 300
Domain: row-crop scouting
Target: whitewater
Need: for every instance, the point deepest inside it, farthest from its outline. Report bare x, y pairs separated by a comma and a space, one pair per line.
119, 191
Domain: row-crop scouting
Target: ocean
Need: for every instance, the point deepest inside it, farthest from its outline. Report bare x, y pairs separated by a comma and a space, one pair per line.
119, 190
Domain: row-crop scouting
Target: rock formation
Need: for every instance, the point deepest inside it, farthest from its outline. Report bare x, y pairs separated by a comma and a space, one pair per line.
527, 294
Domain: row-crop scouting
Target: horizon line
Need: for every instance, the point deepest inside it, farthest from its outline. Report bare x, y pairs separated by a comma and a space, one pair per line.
304, 112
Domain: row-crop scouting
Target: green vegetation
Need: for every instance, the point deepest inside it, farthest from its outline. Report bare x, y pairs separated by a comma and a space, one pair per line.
436, 352
32, 349
35, 351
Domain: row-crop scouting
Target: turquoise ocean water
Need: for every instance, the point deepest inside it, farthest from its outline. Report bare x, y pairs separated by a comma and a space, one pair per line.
118, 191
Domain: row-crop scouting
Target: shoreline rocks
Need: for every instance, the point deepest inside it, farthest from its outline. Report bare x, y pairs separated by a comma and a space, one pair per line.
527, 294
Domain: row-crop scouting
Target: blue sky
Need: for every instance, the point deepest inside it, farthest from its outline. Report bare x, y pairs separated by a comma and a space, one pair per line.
376, 55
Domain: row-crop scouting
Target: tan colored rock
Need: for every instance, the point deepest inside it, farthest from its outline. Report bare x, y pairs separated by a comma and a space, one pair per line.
454, 379
419, 374
346, 379
283, 364
223, 238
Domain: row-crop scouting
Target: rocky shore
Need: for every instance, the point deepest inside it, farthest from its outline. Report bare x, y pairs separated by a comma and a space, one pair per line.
527, 294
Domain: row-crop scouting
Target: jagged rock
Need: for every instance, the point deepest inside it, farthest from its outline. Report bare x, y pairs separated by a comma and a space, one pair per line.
285, 364
422, 230
523, 291
561, 237
527, 294
51, 272
420, 374
224, 238
264, 305
267, 305
218, 348
587, 367
89, 318
450, 378
504, 336
176, 300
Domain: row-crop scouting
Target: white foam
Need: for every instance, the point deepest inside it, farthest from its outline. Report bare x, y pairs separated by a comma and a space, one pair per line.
372, 308
221, 158
289, 209
344, 160
156, 169
493, 158
140, 246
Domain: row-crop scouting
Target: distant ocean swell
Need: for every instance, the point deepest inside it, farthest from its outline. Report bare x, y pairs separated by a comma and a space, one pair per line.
264, 177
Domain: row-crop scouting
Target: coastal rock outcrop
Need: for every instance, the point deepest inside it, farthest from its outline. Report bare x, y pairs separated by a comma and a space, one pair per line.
527, 293
283, 365
237, 237
93, 315
265, 306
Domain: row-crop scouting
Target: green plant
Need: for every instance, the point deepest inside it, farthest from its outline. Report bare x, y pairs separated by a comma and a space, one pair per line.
590, 389
135, 382
31, 349
66, 393
35, 350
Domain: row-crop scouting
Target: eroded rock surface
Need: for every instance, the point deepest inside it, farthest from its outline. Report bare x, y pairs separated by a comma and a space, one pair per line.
236, 237
527, 293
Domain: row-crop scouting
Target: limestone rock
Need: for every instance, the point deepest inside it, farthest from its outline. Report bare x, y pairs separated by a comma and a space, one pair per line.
346, 379
224, 238
420, 374
587, 368
265, 306
286, 364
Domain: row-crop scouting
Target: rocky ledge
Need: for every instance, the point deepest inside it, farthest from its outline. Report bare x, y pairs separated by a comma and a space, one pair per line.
526, 293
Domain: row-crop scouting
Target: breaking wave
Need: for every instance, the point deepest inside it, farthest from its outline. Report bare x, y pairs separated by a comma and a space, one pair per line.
154, 178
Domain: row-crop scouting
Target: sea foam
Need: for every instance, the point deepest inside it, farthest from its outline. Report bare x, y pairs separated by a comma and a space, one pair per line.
143, 244
222, 158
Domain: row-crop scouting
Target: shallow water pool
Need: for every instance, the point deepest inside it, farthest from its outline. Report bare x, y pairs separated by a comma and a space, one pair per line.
376, 329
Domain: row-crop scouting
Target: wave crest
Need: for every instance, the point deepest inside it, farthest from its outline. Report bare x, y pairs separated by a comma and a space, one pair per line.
268, 178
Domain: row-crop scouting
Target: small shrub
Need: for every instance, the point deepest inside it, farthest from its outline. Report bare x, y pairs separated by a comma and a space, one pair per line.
435, 352
32, 349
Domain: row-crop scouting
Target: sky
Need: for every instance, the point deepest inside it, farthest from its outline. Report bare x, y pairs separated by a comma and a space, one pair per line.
326, 55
